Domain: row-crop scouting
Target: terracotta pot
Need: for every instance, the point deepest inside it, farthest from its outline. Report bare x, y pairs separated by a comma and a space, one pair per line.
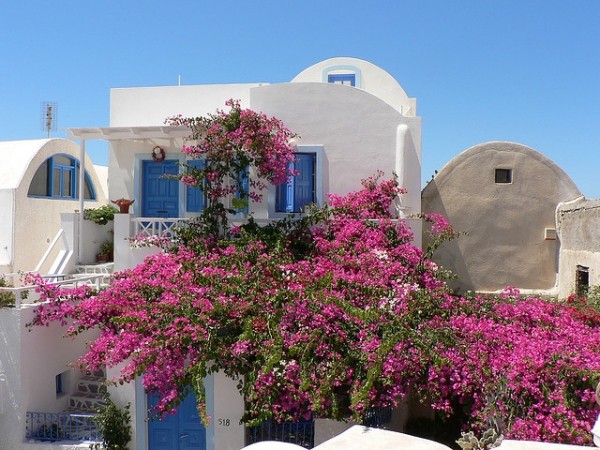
102, 257
123, 205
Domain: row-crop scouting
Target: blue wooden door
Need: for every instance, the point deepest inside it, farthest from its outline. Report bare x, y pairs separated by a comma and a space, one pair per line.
160, 195
180, 431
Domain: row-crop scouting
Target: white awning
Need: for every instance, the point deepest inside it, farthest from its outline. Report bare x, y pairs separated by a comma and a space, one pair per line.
129, 133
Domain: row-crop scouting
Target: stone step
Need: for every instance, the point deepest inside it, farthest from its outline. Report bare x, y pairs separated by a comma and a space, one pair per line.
104, 268
91, 388
100, 373
91, 385
86, 402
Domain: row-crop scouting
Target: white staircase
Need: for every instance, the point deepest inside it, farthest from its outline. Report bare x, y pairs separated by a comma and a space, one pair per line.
89, 394
105, 269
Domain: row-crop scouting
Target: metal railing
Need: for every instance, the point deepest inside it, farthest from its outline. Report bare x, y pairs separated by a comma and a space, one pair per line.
377, 417
159, 226
303, 433
299, 433
52, 427
156, 226
27, 294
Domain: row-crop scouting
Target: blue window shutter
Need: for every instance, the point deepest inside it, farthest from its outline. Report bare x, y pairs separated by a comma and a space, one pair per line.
300, 190
195, 200
281, 197
304, 186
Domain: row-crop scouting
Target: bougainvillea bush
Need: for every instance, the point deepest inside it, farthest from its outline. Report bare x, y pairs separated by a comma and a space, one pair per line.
339, 326
331, 314
328, 329
521, 365
229, 143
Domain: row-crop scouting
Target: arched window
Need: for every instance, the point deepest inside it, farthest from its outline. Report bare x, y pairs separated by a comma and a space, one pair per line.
58, 177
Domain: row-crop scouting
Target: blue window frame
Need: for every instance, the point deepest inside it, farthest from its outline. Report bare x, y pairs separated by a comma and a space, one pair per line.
293, 196
196, 198
342, 78
63, 177
58, 177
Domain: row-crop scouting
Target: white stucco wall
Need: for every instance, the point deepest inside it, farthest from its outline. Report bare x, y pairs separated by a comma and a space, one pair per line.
102, 173
95, 235
145, 106
6, 229
504, 223
29, 363
12, 423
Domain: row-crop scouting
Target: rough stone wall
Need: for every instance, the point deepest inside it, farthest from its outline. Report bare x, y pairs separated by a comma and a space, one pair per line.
578, 228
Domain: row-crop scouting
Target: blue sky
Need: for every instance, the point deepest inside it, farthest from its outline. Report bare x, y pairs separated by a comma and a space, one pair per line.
481, 70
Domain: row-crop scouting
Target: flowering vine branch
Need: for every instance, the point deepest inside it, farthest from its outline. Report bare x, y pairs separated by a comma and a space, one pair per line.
230, 143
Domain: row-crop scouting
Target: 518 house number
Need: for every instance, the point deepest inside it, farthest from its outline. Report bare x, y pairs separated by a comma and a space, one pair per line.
224, 422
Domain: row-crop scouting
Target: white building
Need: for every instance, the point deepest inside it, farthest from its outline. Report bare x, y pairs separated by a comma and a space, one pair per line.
352, 118
39, 180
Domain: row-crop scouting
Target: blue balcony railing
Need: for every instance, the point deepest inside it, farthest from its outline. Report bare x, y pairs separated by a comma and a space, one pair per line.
61, 427
300, 433
303, 433
377, 417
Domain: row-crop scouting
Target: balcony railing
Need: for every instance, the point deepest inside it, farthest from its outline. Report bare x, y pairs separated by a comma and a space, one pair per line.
156, 226
25, 295
299, 433
53, 427
159, 226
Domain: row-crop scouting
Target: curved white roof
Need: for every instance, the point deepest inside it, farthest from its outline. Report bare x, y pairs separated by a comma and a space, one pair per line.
15, 157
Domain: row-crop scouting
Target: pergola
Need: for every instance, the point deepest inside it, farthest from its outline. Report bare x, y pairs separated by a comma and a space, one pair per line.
135, 133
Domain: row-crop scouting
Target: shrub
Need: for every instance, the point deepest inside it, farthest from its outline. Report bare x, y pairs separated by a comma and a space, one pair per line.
114, 425
101, 215
7, 299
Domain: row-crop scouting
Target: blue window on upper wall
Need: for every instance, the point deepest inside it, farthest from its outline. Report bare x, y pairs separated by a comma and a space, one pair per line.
293, 196
58, 177
342, 78
195, 197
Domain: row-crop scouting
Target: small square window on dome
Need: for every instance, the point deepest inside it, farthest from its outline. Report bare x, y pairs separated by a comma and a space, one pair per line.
503, 176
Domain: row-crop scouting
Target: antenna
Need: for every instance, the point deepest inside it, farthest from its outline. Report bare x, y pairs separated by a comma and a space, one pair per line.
49, 116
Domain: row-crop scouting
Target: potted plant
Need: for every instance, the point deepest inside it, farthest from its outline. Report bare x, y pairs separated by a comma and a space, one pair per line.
123, 204
106, 252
